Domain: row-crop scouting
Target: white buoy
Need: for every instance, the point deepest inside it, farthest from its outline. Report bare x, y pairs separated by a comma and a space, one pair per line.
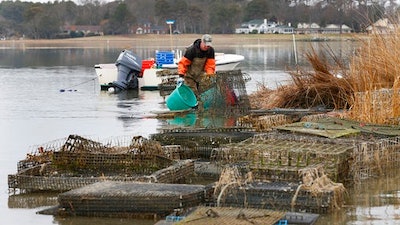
111, 90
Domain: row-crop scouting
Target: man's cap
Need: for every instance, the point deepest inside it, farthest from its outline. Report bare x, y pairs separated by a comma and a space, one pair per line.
207, 39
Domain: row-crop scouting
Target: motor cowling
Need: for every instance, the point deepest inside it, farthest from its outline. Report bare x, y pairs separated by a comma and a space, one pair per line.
129, 66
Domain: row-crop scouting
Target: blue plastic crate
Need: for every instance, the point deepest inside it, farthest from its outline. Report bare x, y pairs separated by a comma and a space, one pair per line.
282, 222
164, 57
174, 218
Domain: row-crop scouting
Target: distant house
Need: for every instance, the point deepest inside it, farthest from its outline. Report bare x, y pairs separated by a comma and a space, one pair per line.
282, 29
313, 28
262, 27
307, 28
85, 29
242, 30
148, 28
143, 28
383, 26
252, 26
159, 29
336, 29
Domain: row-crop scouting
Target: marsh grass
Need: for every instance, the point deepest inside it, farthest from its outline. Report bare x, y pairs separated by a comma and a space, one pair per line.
367, 88
375, 74
325, 84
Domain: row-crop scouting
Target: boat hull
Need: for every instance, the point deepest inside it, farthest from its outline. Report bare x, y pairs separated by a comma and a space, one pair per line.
107, 73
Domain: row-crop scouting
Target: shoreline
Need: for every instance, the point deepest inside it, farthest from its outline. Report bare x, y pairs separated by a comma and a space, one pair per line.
166, 40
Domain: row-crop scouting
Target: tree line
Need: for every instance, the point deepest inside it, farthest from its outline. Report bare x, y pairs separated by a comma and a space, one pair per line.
46, 20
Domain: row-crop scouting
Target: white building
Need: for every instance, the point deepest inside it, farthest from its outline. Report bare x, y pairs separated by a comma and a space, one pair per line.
383, 26
263, 27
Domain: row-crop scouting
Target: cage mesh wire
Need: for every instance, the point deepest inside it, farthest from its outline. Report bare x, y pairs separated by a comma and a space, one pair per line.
33, 180
116, 198
264, 123
275, 156
266, 151
382, 110
43, 153
374, 158
228, 215
79, 161
316, 193
229, 96
280, 154
199, 142
32, 201
278, 196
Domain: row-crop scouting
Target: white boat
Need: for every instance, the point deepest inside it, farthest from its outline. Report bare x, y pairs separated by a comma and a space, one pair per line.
147, 79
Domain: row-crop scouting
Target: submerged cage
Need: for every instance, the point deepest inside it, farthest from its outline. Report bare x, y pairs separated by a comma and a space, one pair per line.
130, 199
199, 143
282, 196
313, 192
269, 152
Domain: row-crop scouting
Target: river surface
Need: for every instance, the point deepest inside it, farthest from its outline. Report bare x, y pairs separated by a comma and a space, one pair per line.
34, 111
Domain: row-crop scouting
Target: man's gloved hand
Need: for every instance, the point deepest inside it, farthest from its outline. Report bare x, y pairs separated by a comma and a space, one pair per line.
180, 81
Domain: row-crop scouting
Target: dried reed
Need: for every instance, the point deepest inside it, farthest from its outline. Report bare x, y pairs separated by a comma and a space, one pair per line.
317, 182
325, 85
369, 87
374, 74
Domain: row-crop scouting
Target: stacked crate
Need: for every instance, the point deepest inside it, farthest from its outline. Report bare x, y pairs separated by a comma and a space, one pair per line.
164, 57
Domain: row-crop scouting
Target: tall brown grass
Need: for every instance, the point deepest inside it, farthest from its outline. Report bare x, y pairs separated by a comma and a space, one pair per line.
374, 74
367, 89
325, 84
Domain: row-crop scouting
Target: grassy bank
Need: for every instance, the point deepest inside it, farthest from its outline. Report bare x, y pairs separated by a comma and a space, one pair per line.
152, 40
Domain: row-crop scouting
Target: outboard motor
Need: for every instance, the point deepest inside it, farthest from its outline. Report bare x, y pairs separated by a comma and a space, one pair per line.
129, 66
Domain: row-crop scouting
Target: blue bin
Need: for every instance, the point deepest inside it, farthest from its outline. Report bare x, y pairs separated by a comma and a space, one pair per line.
182, 98
282, 222
164, 57
174, 218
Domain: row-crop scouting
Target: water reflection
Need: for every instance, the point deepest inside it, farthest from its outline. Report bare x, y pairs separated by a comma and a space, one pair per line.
193, 119
33, 111
100, 221
372, 201
187, 120
128, 102
127, 95
266, 55
32, 201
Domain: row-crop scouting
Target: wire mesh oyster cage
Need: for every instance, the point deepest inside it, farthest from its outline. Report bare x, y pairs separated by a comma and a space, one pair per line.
79, 161
130, 199
315, 193
200, 142
227, 94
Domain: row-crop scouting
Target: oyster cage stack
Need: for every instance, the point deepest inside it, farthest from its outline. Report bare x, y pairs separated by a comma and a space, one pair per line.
275, 170
77, 161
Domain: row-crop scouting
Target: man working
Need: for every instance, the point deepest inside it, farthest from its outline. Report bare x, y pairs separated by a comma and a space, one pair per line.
197, 66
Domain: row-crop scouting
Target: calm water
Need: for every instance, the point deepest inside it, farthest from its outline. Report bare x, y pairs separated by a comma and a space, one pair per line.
33, 111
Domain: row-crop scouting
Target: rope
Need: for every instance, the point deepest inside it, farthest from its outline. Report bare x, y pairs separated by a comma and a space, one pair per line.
62, 90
